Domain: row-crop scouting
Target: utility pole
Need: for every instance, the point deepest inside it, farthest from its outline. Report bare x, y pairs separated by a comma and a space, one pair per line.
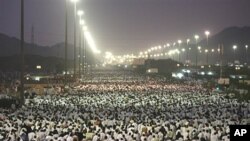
84, 56
221, 54
74, 40
66, 42
22, 54
80, 53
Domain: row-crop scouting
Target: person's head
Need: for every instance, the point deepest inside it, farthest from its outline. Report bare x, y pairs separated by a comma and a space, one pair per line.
75, 138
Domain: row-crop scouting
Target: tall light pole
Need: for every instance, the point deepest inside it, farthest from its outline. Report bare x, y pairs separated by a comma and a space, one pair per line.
196, 56
212, 54
196, 37
179, 42
173, 54
187, 53
80, 13
234, 48
22, 54
206, 51
246, 46
85, 28
66, 42
183, 51
74, 1
207, 33
219, 53
178, 52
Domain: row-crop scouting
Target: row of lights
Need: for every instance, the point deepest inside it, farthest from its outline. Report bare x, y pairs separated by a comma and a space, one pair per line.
168, 45
84, 28
145, 54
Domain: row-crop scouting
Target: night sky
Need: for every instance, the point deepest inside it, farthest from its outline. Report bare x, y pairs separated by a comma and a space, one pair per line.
125, 26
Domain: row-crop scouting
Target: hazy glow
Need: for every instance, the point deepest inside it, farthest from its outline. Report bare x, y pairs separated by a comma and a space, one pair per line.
207, 33
108, 55
79, 12
196, 37
210, 73
177, 51
179, 75
91, 42
234, 47
82, 22
74, 1
37, 78
38, 67
85, 28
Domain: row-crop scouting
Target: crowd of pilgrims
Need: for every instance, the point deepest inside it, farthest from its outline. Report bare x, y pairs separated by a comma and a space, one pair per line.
126, 111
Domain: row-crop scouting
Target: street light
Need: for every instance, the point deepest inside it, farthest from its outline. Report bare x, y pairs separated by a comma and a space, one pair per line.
168, 45
212, 53
179, 42
74, 1
188, 40
246, 46
183, 50
187, 53
207, 33
196, 37
80, 13
206, 51
84, 29
22, 54
234, 48
66, 42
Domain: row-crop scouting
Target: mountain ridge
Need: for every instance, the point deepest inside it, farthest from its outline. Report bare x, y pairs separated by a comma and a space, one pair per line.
229, 36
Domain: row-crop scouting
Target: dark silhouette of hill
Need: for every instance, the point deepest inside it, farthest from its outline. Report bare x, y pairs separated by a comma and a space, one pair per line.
229, 37
51, 57
239, 36
11, 46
